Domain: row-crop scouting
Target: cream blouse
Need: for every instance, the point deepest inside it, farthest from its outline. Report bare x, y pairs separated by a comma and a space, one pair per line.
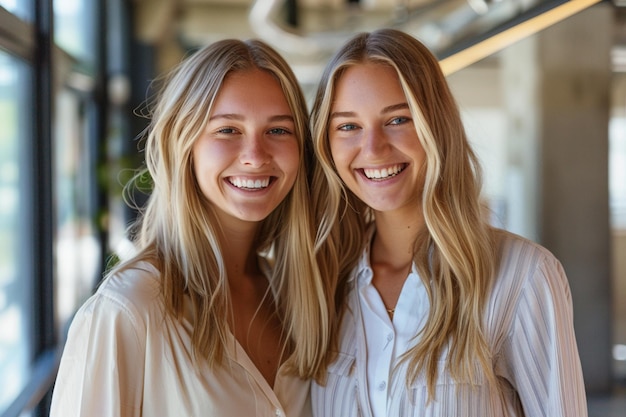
125, 358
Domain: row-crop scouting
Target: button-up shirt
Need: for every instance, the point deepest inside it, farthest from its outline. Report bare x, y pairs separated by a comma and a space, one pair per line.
528, 324
385, 338
125, 357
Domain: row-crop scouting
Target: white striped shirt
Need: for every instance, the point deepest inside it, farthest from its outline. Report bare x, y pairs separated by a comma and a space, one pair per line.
529, 326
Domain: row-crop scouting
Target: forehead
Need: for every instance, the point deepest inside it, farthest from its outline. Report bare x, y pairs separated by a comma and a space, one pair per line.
254, 77
252, 90
366, 84
377, 67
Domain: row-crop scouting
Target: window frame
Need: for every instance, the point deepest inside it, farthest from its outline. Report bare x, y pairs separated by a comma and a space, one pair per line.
33, 43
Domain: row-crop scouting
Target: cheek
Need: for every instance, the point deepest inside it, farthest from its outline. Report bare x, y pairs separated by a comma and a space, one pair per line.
336, 152
289, 159
203, 165
198, 162
200, 177
341, 156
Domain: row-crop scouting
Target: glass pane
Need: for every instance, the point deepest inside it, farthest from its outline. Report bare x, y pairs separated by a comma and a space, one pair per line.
76, 246
74, 29
15, 253
20, 8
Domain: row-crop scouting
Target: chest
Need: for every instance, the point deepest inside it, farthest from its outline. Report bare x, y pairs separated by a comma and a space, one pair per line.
176, 385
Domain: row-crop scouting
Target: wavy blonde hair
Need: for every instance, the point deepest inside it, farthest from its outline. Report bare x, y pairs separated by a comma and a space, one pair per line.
179, 235
455, 253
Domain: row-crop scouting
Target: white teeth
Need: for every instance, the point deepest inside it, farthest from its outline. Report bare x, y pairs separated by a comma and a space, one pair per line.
249, 183
383, 173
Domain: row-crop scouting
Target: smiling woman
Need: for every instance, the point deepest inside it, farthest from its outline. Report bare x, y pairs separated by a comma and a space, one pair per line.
375, 145
247, 159
441, 314
199, 321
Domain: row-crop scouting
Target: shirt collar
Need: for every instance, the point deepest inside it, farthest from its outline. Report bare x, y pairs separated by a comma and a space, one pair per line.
363, 271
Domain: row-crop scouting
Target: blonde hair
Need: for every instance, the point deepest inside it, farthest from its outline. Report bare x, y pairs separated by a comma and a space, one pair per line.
180, 235
455, 253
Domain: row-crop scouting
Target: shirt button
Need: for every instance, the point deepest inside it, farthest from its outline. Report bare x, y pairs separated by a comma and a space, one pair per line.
389, 337
382, 386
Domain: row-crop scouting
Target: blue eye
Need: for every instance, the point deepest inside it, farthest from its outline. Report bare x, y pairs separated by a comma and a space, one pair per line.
226, 130
347, 127
399, 120
279, 131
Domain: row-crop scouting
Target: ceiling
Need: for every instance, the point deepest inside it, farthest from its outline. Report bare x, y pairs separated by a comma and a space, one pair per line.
307, 32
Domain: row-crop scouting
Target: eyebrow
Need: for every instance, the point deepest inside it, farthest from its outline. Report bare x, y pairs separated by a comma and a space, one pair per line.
385, 110
240, 117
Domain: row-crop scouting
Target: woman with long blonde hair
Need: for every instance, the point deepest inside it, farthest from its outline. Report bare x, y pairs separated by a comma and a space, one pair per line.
441, 314
222, 311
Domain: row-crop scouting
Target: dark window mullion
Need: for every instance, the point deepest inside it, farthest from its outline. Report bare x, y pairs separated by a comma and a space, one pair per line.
42, 179
45, 337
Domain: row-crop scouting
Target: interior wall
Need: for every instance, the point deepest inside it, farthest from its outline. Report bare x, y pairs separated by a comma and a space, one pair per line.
617, 189
575, 65
619, 303
552, 90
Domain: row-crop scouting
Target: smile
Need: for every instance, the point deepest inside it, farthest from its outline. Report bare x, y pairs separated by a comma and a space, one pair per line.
249, 184
379, 174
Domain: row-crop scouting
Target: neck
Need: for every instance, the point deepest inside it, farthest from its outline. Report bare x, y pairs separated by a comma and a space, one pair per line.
395, 238
240, 254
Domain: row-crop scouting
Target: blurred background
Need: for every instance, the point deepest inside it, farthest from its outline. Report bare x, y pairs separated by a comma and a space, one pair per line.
541, 86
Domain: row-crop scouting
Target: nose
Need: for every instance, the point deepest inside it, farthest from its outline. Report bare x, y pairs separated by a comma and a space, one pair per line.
374, 142
254, 152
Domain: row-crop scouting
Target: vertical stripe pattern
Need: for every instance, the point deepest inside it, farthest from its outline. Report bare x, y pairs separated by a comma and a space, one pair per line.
529, 326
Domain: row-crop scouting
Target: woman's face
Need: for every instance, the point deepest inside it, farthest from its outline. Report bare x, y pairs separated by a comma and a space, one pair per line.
373, 140
247, 159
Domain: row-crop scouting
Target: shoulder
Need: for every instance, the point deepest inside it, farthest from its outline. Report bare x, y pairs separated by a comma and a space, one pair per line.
107, 341
134, 284
115, 319
529, 279
523, 262
518, 252
128, 297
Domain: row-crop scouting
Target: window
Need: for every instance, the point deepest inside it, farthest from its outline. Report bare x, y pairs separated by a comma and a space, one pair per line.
16, 343
75, 165
77, 249
20, 8
53, 121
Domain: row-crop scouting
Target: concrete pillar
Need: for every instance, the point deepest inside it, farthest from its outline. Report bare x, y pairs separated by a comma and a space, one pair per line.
520, 89
574, 67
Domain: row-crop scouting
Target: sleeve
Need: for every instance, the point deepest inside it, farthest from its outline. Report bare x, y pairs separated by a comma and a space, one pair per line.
540, 355
101, 370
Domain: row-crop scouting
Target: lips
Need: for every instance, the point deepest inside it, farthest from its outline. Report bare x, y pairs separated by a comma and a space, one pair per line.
384, 173
250, 183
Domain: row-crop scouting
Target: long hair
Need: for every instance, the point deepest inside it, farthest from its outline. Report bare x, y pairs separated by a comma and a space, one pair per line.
178, 230
454, 253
